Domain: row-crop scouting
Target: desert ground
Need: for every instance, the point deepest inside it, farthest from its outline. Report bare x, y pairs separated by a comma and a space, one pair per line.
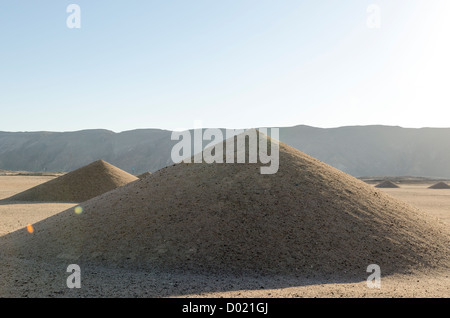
25, 278
434, 201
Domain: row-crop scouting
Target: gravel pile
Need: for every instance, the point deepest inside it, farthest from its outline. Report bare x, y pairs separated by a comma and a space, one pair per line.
387, 184
307, 219
440, 185
79, 185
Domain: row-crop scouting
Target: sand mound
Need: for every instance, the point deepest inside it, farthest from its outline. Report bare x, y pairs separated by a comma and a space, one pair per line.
307, 219
79, 185
440, 185
387, 184
143, 175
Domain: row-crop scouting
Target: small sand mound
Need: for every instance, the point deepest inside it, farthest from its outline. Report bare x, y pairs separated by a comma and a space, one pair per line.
143, 175
440, 185
387, 184
79, 185
308, 219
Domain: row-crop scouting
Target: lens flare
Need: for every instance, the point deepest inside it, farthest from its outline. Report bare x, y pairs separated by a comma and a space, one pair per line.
78, 210
30, 228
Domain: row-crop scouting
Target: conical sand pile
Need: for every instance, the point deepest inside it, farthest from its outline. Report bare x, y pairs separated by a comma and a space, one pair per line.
387, 184
143, 175
307, 219
79, 185
440, 185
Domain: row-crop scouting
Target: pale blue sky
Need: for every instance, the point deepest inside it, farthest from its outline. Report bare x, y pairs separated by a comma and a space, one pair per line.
230, 63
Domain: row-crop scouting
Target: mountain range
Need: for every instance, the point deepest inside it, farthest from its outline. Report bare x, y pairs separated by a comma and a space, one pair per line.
357, 150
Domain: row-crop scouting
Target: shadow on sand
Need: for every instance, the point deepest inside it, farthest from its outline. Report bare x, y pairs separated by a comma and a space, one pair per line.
31, 278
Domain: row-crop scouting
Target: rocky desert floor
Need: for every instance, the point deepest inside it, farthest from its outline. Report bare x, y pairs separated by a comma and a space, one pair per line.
434, 201
26, 278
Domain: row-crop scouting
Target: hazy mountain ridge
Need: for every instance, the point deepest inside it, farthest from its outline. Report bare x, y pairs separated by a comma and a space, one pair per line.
376, 150
357, 150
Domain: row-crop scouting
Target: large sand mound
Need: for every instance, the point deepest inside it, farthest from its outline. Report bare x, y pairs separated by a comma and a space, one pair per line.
387, 184
440, 185
79, 185
307, 219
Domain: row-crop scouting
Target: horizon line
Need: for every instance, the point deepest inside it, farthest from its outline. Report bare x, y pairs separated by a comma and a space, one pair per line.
170, 130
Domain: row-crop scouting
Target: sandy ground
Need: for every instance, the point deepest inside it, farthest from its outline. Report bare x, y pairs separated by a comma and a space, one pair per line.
28, 279
10, 185
18, 215
22, 278
434, 201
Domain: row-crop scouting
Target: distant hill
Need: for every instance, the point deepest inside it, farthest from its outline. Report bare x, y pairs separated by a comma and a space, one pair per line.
357, 150
134, 151
376, 150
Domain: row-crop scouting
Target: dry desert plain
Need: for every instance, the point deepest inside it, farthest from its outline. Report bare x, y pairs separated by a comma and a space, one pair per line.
25, 278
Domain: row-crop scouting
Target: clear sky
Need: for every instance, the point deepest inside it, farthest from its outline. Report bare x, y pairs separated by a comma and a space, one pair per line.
227, 63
